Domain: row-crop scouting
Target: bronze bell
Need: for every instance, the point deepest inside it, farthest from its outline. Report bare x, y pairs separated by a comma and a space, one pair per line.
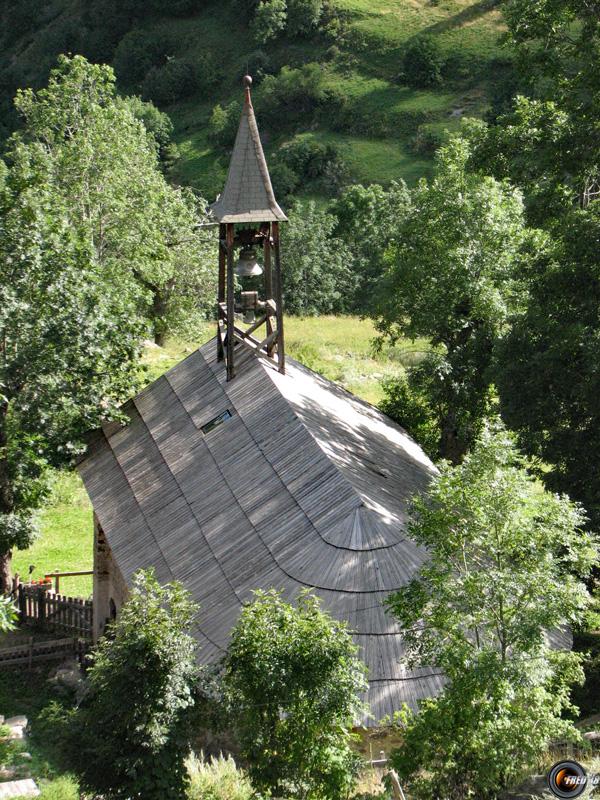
247, 265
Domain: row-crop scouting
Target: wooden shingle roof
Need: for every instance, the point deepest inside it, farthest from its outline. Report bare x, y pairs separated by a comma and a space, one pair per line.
248, 194
303, 486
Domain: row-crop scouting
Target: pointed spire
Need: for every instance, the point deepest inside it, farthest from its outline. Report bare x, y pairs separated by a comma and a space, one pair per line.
248, 193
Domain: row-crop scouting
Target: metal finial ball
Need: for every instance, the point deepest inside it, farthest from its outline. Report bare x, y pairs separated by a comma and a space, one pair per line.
247, 81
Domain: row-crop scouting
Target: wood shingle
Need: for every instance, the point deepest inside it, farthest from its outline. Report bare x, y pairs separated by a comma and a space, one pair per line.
302, 486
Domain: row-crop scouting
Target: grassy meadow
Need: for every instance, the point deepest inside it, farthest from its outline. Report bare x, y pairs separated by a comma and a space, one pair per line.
340, 348
366, 71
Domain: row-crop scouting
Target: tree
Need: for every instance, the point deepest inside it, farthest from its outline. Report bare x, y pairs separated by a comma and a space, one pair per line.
269, 20
136, 713
367, 221
137, 53
303, 16
547, 144
507, 565
293, 682
319, 277
69, 343
106, 169
454, 274
548, 366
423, 62
159, 125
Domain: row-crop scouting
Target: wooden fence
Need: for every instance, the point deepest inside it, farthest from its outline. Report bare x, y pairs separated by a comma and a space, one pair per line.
30, 652
48, 611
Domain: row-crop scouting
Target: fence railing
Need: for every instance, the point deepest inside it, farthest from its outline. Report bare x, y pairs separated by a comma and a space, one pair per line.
43, 608
56, 576
30, 652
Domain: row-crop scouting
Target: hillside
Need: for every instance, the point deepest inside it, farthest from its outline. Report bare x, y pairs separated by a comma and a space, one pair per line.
380, 127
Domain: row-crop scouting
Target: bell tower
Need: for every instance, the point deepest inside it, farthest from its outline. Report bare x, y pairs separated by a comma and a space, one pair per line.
249, 216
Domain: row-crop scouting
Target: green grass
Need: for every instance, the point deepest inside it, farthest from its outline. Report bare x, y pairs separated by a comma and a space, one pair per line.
66, 540
367, 69
385, 114
28, 692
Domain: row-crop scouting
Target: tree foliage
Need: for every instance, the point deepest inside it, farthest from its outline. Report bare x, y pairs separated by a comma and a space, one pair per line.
548, 366
319, 278
269, 20
507, 564
106, 169
423, 62
454, 275
96, 249
136, 713
367, 220
548, 145
69, 342
293, 682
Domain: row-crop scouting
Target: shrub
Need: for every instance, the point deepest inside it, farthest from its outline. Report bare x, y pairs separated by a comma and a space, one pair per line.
423, 62
217, 779
176, 80
293, 96
409, 407
293, 681
135, 716
269, 20
426, 141
303, 16
137, 53
258, 64
306, 161
285, 181
223, 124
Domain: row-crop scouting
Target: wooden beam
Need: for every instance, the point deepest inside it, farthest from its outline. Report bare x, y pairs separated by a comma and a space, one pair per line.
278, 299
268, 280
221, 288
230, 302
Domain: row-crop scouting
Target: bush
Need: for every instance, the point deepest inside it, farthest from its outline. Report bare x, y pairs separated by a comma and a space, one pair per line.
223, 124
310, 162
258, 64
269, 20
426, 141
293, 682
135, 716
178, 79
285, 181
423, 62
217, 779
303, 16
293, 96
137, 53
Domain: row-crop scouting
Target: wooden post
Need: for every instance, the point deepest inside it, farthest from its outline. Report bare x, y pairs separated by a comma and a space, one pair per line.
41, 607
221, 288
268, 286
230, 304
396, 788
22, 603
278, 300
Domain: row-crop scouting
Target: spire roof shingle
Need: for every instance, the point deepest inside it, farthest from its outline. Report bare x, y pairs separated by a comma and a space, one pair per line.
248, 194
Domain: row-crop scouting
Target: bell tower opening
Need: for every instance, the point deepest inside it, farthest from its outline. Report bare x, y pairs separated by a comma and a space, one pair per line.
249, 216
